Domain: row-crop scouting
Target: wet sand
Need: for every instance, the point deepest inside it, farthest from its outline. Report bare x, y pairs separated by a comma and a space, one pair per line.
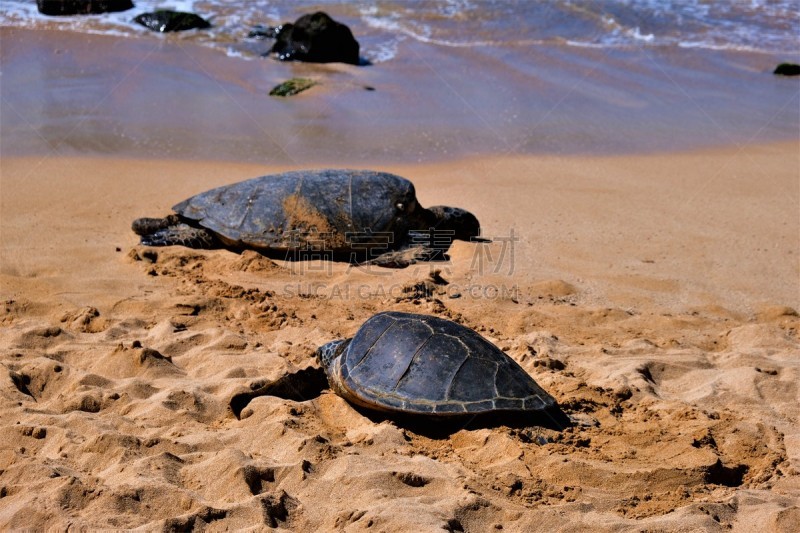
169, 98
653, 296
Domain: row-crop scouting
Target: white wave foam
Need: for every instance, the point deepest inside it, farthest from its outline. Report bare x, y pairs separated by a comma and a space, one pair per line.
383, 52
753, 25
638, 36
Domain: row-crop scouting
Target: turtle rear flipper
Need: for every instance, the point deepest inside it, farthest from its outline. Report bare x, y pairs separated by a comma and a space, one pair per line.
170, 230
146, 226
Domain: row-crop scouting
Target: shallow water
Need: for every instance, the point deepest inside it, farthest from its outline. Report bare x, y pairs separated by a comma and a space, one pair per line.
449, 78
755, 25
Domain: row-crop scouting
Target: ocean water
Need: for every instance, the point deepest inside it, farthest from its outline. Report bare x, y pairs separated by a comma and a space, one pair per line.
450, 78
753, 25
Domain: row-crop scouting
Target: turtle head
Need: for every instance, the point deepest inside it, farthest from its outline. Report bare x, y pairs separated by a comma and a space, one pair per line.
463, 224
327, 353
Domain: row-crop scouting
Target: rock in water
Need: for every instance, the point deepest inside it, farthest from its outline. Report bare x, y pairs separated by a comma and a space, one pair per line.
787, 69
316, 38
81, 7
165, 21
292, 87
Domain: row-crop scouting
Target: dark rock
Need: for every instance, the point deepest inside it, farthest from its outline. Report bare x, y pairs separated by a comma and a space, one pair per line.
315, 38
81, 7
787, 69
292, 87
165, 21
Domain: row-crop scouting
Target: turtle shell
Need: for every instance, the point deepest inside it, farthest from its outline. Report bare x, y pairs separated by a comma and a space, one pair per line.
427, 365
304, 209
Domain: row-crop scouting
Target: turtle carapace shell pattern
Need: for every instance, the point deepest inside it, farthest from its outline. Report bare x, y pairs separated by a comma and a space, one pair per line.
283, 211
420, 364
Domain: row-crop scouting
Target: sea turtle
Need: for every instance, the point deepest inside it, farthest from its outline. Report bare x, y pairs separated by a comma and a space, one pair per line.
411, 364
352, 215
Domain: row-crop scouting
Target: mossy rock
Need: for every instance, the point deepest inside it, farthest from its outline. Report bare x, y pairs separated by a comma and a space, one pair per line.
292, 87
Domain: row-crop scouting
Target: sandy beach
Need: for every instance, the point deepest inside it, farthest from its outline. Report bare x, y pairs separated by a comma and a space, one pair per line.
643, 206
653, 296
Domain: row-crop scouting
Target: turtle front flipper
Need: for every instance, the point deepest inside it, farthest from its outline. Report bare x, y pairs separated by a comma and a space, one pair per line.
406, 257
171, 231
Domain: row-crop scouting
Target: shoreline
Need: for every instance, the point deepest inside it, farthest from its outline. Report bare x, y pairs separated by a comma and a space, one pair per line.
163, 98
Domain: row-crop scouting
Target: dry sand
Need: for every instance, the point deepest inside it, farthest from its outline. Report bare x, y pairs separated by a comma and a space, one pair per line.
653, 296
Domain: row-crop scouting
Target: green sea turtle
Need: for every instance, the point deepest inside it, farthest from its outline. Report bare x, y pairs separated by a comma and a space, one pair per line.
351, 215
409, 364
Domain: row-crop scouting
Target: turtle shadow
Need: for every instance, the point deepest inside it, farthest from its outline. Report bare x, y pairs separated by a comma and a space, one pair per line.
358, 258
309, 383
353, 257
443, 427
300, 386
